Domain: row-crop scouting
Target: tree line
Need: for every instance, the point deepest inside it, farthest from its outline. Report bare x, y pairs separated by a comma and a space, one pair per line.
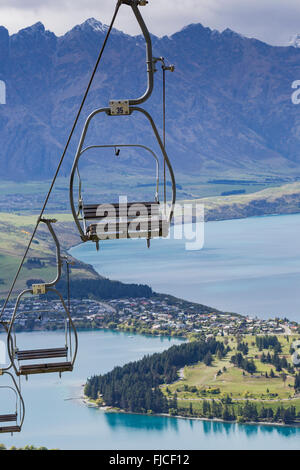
227, 410
135, 386
266, 342
275, 360
100, 289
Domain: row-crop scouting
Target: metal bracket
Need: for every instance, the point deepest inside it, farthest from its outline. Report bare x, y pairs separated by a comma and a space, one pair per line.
48, 221
140, 3
119, 107
171, 68
155, 60
39, 289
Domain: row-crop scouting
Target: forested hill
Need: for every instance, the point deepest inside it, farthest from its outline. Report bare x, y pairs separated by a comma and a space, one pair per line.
103, 289
135, 386
230, 383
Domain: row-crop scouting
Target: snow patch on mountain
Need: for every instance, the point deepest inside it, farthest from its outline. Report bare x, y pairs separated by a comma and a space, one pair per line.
295, 41
95, 25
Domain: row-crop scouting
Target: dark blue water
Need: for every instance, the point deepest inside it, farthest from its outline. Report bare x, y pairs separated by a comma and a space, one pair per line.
249, 266
55, 414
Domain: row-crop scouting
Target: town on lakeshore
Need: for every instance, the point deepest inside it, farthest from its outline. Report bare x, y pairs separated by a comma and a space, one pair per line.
159, 315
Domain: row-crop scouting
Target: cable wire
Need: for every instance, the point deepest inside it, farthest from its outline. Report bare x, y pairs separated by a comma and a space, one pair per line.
63, 155
164, 131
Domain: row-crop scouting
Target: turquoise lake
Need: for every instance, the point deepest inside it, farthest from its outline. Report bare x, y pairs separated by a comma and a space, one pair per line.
56, 417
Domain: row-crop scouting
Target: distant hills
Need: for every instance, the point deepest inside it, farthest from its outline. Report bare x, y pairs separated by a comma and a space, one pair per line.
229, 102
282, 200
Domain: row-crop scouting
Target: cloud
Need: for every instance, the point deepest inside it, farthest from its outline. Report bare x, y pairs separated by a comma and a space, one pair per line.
273, 21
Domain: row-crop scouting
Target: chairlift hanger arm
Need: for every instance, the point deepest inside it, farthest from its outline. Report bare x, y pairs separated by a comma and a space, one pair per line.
134, 4
49, 223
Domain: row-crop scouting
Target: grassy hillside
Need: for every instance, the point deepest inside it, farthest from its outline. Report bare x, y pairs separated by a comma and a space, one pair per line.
15, 232
281, 200
222, 378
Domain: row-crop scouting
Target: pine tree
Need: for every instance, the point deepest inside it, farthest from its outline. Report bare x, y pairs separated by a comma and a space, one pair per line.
208, 359
226, 414
297, 382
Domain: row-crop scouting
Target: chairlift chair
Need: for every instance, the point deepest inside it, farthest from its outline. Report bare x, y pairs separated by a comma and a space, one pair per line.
66, 354
12, 421
122, 220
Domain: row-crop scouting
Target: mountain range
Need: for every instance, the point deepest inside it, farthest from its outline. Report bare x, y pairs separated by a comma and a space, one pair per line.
229, 107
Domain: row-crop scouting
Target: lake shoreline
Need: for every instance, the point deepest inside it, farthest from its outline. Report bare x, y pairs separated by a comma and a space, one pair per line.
108, 409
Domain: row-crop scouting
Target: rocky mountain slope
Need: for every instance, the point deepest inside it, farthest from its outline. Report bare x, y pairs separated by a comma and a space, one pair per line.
229, 102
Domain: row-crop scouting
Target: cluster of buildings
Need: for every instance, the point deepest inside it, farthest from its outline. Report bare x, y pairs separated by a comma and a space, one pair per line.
164, 315
157, 315
41, 313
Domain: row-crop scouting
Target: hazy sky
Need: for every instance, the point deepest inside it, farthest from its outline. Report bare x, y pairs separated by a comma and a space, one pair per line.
273, 21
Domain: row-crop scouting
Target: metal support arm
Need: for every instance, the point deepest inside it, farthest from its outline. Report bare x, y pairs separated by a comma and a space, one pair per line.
49, 223
134, 4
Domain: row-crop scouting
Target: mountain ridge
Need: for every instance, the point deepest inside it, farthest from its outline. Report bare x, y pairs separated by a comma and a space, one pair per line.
229, 102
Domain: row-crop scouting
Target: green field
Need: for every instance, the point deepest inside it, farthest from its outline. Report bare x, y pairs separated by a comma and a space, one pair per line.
200, 382
139, 184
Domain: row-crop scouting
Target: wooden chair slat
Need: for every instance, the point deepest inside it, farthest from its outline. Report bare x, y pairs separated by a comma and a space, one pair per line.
130, 210
45, 368
8, 418
41, 354
10, 429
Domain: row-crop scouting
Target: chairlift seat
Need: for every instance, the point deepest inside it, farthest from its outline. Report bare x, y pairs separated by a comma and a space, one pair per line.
127, 221
42, 361
45, 368
41, 354
8, 418
10, 429
155, 229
